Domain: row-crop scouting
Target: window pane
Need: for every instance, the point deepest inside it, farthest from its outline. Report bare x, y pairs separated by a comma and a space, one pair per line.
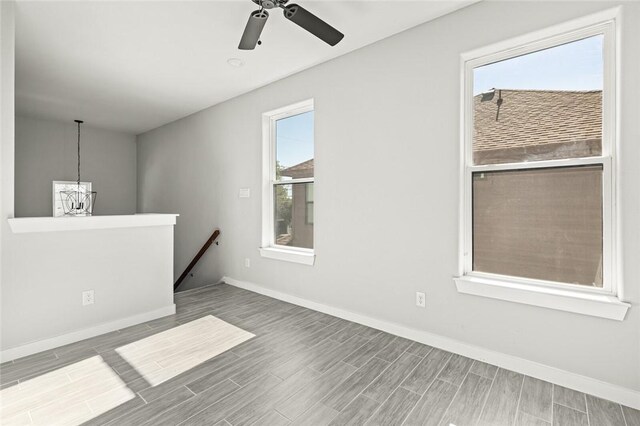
309, 212
540, 106
539, 223
294, 147
292, 227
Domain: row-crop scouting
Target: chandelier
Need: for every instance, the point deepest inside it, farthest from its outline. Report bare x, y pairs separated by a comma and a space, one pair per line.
78, 201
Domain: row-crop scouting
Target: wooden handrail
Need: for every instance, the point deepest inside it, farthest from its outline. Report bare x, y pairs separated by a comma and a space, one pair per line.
204, 248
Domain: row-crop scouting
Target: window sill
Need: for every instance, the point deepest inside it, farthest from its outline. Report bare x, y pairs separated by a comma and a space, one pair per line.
569, 300
296, 256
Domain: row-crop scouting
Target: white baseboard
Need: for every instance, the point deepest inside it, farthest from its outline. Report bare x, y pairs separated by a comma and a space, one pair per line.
76, 336
619, 394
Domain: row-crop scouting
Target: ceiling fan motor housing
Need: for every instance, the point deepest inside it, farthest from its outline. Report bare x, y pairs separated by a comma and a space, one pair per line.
270, 4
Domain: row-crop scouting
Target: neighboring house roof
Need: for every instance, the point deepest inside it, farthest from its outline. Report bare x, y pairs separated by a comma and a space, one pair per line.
536, 117
301, 170
531, 121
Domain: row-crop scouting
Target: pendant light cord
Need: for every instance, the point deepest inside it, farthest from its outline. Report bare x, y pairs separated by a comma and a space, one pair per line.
79, 123
78, 154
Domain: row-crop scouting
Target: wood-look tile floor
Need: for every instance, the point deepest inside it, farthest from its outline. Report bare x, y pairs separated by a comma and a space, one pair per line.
308, 368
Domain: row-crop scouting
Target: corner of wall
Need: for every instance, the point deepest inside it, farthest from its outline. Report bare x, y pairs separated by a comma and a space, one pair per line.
7, 137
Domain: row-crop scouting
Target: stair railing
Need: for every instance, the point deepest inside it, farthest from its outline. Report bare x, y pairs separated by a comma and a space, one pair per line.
197, 257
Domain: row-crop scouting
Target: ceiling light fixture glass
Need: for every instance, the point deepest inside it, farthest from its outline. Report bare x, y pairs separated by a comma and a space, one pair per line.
79, 201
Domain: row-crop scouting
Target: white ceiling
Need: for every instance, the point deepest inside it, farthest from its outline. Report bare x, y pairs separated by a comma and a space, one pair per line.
135, 65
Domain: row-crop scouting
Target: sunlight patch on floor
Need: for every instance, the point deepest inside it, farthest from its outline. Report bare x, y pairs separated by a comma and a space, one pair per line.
68, 396
165, 355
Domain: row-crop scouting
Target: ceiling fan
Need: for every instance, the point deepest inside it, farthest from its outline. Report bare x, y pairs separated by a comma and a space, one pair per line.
293, 12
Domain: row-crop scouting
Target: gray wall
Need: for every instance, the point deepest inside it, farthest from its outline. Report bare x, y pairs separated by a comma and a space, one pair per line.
129, 269
387, 190
47, 151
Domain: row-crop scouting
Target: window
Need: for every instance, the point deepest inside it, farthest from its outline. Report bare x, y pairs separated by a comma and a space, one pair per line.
538, 210
539, 223
288, 200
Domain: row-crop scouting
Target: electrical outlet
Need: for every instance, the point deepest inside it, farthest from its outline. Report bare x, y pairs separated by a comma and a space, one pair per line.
247, 263
87, 297
420, 299
244, 193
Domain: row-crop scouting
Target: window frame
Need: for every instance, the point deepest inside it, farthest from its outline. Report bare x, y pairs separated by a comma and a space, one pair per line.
535, 291
268, 246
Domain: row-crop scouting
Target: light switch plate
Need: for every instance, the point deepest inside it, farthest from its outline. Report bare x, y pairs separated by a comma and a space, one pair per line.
244, 193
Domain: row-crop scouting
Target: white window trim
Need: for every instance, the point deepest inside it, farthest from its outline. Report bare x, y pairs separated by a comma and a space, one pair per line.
269, 249
608, 301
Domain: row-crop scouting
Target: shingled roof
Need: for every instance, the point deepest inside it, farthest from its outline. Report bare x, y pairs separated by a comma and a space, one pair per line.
536, 124
536, 117
302, 170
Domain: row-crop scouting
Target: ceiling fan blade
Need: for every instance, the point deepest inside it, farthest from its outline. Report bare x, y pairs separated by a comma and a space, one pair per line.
310, 22
252, 31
